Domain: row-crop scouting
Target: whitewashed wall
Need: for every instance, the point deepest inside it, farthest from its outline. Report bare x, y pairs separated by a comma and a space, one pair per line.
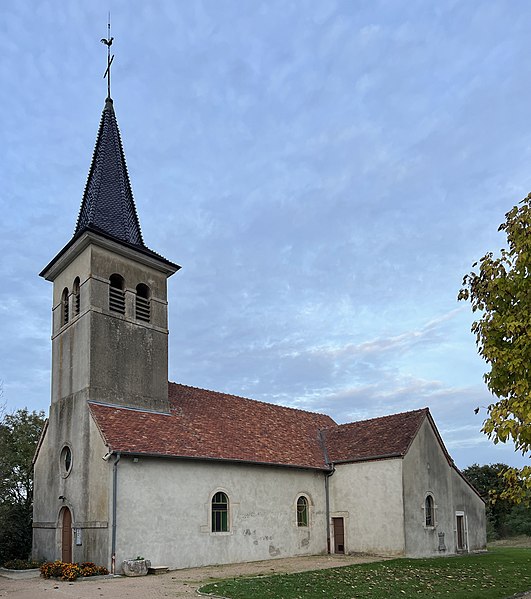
368, 495
164, 512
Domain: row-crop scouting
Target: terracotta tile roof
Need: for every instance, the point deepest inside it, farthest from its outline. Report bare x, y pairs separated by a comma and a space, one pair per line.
211, 425
208, 424
382, 437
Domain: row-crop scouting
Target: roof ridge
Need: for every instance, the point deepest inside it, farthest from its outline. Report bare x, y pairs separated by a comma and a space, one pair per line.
253, 400
386, 416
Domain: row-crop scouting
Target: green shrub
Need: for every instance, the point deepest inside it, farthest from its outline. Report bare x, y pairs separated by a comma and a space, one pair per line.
22, 564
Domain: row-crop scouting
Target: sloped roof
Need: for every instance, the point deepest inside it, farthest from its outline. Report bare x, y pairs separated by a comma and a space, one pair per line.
108, 207
211, 425
384, 437
108, 203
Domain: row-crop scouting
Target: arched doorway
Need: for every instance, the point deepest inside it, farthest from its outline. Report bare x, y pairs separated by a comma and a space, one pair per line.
66, 536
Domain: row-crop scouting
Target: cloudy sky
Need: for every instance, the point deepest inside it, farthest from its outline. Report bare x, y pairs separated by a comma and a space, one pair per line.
325, 172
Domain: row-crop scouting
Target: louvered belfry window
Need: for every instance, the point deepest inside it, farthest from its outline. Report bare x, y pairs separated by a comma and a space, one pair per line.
64, 306
116, 294
75, 291
143, 303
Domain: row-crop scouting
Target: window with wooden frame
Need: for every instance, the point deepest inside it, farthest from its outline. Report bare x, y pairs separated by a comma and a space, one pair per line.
143, 303
117, 294
429, 511
302, 511
220, 512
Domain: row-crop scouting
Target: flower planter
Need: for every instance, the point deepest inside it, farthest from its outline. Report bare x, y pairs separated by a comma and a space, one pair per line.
135, 567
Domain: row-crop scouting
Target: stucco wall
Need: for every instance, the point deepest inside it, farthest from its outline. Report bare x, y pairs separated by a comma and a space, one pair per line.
164, 512
427, 470
368, 495
85, 490
120, 358
473, 507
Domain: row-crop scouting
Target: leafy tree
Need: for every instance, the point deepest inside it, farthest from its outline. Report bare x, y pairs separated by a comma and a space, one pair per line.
501, 291
488, 480
19, 434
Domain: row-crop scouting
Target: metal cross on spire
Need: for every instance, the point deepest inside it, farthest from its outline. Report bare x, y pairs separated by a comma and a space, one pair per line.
108, 43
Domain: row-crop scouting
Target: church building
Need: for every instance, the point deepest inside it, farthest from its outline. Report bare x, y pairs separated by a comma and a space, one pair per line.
130, 464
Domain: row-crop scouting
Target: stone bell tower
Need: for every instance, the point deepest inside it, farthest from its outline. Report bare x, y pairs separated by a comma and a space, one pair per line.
109, 345
109, 333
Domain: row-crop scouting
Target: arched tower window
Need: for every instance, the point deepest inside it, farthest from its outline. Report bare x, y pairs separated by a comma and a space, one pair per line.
429, 511
75, 293
302, 511
64, 306
220, 512
143, 303
117, 294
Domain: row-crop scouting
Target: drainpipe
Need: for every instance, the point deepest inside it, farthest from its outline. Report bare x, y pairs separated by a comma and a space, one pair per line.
114, 489
327, 499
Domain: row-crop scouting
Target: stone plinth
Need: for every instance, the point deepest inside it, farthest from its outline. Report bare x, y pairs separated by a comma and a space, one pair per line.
135, 567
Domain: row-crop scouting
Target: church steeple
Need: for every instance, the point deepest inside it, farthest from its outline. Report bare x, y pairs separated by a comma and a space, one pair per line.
110, 299
108, 206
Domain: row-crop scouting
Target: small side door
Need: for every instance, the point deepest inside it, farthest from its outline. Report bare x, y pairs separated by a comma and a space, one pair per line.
339, 535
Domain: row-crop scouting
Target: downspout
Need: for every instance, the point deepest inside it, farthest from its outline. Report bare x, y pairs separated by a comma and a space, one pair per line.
327, 499
328, 473
114, 489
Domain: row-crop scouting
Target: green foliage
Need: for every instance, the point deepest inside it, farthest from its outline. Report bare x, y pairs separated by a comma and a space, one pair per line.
500, 290
490, 483
495, 575
22, 564
19, 435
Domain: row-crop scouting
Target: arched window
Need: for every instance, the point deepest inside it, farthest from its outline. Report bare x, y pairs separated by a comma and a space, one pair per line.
220, 512
429, 511
302, 511
75, 293
64, 306
142, 303
116, 294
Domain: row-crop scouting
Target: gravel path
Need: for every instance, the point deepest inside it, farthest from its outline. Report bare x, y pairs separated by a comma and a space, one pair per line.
178, 584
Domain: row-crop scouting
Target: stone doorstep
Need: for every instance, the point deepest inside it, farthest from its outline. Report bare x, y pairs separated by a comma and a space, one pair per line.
158, 570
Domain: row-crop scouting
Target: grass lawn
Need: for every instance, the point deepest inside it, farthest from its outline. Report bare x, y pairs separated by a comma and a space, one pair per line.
495, 575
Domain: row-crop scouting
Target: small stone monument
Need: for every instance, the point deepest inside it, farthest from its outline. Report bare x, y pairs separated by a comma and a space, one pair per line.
136, 567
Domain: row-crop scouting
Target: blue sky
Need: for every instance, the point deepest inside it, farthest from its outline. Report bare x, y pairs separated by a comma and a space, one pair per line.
325, 172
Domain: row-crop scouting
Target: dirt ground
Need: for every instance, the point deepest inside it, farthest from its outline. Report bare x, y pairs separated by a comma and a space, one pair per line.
179, 584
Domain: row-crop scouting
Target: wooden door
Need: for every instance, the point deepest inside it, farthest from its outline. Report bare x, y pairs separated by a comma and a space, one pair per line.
339, 535
460, 533
66, 537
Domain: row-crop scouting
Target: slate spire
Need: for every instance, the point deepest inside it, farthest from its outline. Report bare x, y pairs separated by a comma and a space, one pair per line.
108, 205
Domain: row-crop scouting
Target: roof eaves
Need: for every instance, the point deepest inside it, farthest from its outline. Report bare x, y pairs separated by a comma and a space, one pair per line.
95, 419
469, 483
373, 458
171, 267
426, 412
40, 442
439, 438
223, 460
